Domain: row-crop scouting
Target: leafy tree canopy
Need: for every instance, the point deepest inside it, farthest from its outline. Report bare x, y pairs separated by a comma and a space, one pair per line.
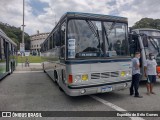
15, 34
147, 23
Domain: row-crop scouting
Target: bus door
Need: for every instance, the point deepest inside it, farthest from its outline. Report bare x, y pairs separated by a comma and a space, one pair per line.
136, 46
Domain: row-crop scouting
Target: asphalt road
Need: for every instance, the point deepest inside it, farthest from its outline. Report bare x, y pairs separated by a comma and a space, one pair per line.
35, 91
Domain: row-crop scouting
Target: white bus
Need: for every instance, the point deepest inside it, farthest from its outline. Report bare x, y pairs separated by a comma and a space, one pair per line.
88, 53
146, 40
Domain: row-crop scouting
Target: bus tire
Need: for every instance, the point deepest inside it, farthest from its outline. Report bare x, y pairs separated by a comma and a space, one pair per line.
55, 77
14, 66
61, 89
43, 68
11, 68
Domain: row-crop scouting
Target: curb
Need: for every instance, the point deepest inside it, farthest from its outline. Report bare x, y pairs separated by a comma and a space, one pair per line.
30, 63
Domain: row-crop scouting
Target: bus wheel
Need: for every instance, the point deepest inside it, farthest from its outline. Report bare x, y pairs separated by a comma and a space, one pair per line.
14, 66
43, 68
61, 89
55, 77
11, 68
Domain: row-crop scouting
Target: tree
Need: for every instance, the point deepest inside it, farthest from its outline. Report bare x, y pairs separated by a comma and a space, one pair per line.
15, 34
147, 23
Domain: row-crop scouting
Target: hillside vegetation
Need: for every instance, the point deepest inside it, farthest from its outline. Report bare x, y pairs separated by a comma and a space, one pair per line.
15, 34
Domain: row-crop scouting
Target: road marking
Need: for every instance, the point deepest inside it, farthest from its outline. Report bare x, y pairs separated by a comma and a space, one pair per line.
26, 71
115, 107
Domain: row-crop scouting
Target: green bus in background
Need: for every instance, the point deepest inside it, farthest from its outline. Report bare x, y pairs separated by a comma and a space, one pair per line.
8, 52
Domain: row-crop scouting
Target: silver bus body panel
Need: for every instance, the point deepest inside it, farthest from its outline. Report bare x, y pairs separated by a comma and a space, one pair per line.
99, 83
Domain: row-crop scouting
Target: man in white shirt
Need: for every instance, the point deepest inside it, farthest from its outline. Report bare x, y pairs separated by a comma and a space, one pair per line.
150, 73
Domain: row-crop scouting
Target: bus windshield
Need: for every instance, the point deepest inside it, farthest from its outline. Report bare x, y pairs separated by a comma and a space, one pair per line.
151, 42
152, 45
88, 39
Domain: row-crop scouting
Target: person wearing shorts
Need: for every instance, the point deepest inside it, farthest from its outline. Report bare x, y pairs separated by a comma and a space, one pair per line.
150, 73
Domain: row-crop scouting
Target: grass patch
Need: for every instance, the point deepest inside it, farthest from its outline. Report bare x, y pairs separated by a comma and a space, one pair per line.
32, 59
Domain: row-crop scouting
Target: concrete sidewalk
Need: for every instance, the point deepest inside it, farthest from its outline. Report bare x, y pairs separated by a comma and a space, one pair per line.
32, 67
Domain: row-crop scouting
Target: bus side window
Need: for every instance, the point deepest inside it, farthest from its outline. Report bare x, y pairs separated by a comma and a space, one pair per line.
4, 49
57, 38
50, 42
0, 49
11, 49
53, 39
45, 46
62, 50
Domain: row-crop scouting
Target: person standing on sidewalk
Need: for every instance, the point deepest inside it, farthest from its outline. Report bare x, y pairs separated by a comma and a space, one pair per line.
26, 62
150, 73
135, 75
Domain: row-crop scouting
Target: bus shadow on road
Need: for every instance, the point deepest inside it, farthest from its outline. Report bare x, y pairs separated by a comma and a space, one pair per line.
109, 96
115, 95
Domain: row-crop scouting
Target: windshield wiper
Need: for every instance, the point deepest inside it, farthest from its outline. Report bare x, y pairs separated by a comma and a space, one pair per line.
94, 30
106, 34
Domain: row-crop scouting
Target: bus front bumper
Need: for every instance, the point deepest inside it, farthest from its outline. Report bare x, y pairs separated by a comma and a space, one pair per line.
93, 89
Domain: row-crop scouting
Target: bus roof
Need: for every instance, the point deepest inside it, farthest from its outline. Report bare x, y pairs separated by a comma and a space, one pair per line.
2, 33
147, 29
93, 16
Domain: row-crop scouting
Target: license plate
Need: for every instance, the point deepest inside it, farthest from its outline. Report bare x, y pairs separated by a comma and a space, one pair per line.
106, 89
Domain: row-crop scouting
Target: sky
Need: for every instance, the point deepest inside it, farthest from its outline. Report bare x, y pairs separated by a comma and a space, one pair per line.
42, 14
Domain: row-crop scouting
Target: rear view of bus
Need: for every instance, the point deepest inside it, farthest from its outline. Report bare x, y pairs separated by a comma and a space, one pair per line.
95, 54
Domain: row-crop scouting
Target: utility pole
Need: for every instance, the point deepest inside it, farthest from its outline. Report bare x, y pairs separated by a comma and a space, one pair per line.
22, 45
23, 25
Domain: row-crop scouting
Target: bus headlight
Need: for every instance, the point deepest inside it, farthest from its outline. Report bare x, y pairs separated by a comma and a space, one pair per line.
77, 78
123, 74
84, 77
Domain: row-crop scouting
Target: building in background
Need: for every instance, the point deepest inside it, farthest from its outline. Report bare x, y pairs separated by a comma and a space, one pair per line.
36, 41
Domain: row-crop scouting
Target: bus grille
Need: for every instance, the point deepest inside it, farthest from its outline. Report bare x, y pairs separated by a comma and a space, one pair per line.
95, 76
104, 75
114, 74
